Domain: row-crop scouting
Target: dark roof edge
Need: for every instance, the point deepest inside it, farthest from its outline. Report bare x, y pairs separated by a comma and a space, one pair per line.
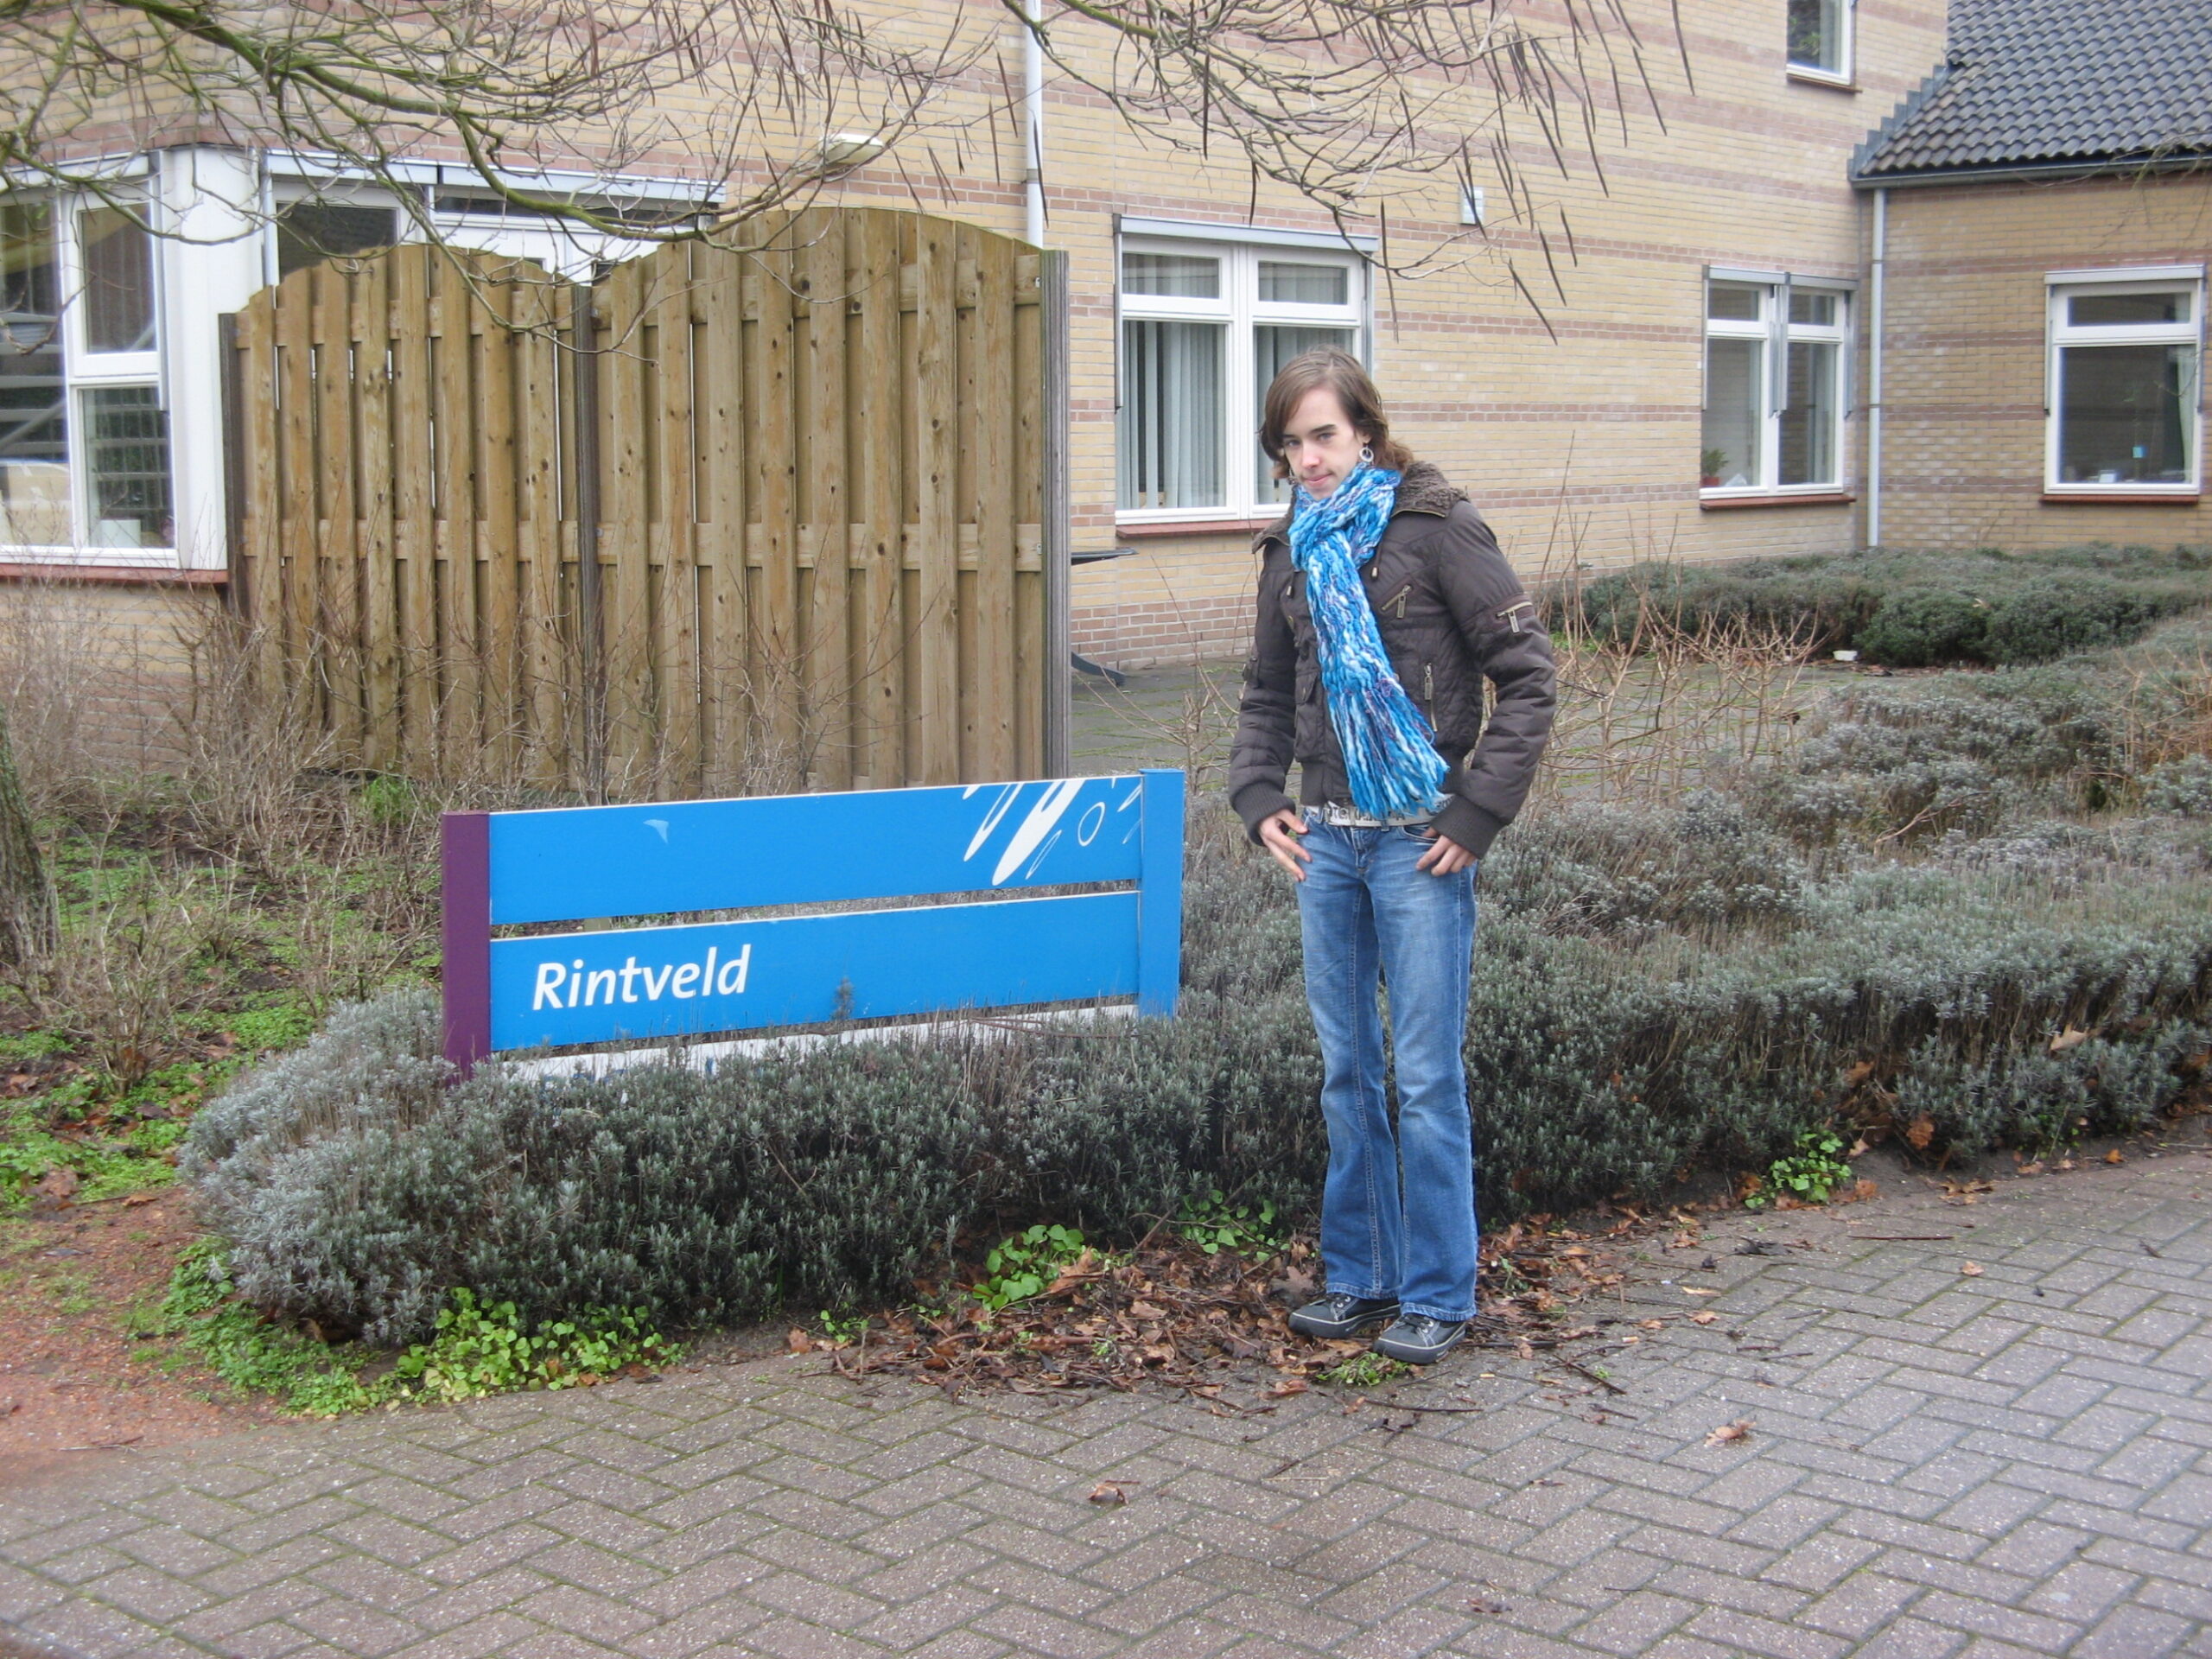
1983, 173
1909, 106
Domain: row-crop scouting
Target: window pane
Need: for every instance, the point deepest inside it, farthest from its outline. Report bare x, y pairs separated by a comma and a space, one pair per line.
1283, 284
1809, 447
34, 418
127, 468
1733, 301
2121, 418
1733, 370
119, 281
1189, 277
309, 233
1813, 306
1173, 414
1272, 347
1817, 34
2089, 310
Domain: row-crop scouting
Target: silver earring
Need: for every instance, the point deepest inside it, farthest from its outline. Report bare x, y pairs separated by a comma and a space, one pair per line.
1366, 455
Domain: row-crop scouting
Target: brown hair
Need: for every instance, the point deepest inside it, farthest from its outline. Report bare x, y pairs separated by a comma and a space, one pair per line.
1342, 374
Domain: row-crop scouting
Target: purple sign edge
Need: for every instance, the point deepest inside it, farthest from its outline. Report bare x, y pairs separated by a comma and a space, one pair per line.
465, 892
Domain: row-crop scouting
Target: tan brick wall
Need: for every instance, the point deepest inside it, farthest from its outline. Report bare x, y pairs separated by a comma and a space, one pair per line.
1965, 351
1578, 450
97, 675
1577, 434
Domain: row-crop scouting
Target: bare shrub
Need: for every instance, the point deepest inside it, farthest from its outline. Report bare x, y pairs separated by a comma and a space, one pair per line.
1652, 709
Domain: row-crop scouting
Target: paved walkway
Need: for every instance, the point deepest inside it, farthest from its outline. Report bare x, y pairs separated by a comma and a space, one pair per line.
1937, 1462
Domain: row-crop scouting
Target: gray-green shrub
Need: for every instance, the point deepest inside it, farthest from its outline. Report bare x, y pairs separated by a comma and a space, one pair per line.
1597, 1061
1913, 609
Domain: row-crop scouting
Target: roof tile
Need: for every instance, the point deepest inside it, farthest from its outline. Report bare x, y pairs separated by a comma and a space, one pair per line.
2029, 82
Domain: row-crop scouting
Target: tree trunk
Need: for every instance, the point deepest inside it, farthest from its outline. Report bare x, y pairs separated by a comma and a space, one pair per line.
29, 927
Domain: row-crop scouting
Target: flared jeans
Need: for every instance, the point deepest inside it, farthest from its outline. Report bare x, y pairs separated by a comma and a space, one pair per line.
1398, 1209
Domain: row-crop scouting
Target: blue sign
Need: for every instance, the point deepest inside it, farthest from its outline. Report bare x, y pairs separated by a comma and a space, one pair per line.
683, 858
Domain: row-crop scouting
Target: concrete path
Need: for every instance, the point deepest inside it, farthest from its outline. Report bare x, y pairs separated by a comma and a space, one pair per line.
1937, 1462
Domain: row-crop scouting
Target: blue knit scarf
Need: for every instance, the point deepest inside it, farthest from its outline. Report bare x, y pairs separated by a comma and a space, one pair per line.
1390, 755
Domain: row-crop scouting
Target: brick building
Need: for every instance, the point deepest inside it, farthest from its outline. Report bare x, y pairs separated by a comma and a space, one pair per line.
1700, 384
2042, 212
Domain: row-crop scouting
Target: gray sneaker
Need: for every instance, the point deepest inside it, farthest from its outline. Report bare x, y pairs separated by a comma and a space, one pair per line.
1418, 1340
1340, 1315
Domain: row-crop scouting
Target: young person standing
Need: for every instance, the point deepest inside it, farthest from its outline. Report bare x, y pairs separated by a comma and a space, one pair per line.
1384, 605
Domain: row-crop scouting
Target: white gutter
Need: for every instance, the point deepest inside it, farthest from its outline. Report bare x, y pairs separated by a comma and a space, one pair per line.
1874, 370
1032, 125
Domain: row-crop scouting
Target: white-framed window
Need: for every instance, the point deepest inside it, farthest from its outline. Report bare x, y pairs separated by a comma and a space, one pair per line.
1205, 327
1820, 39
1776, 360
84, 427
2124, 374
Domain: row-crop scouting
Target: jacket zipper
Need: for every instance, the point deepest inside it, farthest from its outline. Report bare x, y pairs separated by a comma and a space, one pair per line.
1399, 599
1428, 684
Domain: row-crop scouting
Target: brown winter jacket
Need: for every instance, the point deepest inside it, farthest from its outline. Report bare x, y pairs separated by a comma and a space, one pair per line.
1451, 613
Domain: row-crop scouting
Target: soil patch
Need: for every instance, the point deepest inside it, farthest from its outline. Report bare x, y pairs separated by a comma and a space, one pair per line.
74, 1287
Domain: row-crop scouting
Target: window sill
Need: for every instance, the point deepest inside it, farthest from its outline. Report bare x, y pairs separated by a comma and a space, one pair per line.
1224, 526
2176, 497
1729, 503
164, 576
1809, 77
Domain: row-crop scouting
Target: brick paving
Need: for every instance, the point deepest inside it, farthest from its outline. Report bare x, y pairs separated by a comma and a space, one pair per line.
1938, 1464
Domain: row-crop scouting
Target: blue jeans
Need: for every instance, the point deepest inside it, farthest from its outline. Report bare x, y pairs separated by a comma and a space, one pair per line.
1397, 1212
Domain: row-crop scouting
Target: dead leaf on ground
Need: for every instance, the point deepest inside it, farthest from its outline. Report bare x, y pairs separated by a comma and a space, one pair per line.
1727, 1434
1109, 1492
2072, 1037
799, 1342
1485, 1604
2114, 1157
1703, 1316
1920, 1132
1970, 1269
1286, 1387
58, 1186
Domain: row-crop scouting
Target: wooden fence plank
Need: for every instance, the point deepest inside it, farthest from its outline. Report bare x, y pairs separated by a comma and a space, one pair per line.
539, 314
934, 431
413, 446
626, 616
821, 280
298, 503
719, 541
880, 385
676, 633
992, 672
493, 545
1032, 662
380, 666
263, 442
776, 676
460, 643
337, 575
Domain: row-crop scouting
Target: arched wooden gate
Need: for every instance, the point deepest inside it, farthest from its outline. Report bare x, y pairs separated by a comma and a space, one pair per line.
788, 515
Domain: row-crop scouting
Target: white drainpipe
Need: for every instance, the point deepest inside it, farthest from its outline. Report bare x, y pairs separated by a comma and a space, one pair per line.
1874, 372
1033, 137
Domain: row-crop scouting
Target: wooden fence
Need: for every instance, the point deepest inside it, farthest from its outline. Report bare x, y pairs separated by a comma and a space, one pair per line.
786, 516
